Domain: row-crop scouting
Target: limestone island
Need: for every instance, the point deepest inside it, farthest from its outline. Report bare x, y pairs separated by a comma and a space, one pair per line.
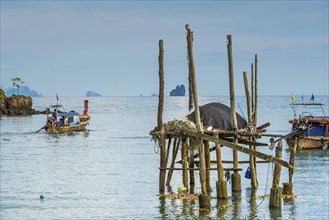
93, 94
179, 91
15, 105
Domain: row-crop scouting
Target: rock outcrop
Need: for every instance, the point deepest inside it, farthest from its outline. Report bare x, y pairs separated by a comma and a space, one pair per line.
15, 105
93, 94
179, 91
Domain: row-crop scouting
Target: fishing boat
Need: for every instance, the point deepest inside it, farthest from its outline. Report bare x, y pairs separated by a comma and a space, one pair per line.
66, 121
310, 131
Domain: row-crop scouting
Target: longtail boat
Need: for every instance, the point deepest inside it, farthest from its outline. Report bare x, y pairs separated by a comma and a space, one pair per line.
66, 121
312, 132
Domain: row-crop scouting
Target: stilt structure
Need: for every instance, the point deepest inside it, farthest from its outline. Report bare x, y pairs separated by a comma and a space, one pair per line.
195, 139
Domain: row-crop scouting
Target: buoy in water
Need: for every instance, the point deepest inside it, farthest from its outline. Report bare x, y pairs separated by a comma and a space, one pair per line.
42, 197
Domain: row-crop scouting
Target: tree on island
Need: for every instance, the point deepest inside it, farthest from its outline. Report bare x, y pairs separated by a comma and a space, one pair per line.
17, 82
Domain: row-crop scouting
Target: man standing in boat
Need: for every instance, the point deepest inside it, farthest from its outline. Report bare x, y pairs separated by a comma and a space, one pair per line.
54, 118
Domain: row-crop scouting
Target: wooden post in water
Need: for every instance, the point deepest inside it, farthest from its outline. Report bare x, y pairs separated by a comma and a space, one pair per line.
221, 184
162, 141
191, 165
204, 199
184, 163
190, 83
207, 156
276, 190
288, 187
236, 178
254, 182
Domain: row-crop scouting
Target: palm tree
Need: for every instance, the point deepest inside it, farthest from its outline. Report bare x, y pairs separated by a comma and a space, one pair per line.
14, 83
17, 82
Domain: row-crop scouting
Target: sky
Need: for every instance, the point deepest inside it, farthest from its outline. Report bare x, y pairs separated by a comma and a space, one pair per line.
111, 47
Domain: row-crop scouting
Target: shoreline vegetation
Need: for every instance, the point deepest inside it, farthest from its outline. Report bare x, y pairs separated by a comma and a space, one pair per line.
17, 105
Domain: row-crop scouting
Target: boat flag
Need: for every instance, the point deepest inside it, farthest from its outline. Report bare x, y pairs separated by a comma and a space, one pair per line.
312, 98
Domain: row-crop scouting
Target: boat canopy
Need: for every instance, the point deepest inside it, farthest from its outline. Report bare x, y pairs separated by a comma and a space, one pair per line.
68, 114
304, 105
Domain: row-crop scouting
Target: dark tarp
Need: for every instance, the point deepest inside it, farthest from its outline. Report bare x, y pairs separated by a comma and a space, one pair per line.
218, 116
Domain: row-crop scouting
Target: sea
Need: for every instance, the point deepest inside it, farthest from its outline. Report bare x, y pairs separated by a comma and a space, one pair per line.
111, 170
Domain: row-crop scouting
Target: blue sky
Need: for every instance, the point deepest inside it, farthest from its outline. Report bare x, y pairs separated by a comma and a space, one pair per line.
111, 47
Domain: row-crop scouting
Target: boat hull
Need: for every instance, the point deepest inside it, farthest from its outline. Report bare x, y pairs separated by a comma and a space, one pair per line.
84, 121
309, 142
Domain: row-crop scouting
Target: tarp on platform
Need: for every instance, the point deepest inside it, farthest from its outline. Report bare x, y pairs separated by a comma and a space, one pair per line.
218, 116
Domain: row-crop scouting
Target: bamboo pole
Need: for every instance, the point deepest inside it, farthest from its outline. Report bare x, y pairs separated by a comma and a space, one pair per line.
238, 148
184, 163
207, 157
173, 158
256, 90
254, 182
252, 89
190, 81
204, 199
276, 190
162, 141
288, 187
236, 178
221, 184
191, 165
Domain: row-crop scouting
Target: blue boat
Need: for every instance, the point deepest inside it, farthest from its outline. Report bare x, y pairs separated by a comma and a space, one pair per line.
309, 131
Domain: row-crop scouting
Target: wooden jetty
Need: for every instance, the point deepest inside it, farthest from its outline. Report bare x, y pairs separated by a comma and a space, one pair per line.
193, 139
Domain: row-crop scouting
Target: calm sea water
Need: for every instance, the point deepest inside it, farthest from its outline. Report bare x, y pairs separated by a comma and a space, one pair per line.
111, 170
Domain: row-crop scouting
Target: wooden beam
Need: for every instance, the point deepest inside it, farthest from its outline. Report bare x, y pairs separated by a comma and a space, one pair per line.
239, 148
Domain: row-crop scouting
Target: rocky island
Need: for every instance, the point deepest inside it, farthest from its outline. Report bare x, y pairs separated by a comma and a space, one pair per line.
15, 105
179, 91
93, 94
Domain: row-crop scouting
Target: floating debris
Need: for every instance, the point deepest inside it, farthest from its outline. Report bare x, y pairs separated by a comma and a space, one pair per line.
186, 196
287, 196
224, 206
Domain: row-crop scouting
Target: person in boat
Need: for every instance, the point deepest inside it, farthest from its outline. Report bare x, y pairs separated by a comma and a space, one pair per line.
54, 117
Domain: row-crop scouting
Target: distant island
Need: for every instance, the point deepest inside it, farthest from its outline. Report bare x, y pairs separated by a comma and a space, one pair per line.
23, 90
93, 94
179, 91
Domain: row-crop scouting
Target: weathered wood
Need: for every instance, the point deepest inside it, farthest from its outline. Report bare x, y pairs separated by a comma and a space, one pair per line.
292, 159
174, 154
254, 182
252, 89
168, 148
232, 96
184, 163
219, 161
242, 141
238, 148
261, 127
276, 190
256, 90
231, 161
162, 142
196, 109
191, 165
212, 168
277, 167
236, 179
207, 158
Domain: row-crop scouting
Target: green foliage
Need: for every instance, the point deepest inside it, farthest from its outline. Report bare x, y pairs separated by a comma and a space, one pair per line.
17, 81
